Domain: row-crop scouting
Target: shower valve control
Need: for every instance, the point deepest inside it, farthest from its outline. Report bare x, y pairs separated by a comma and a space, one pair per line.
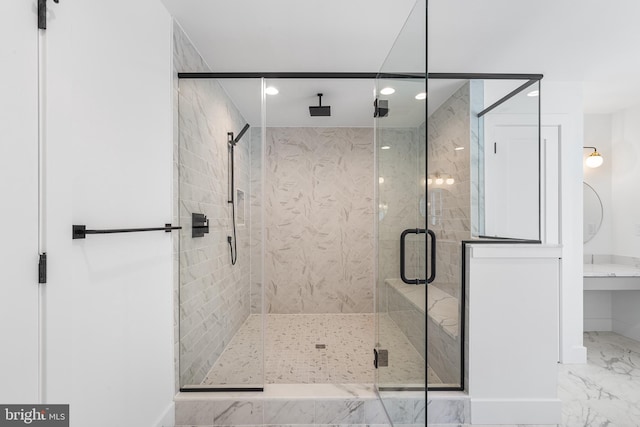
200, 225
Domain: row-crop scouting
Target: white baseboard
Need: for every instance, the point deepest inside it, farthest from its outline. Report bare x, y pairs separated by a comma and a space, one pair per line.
516, 411
599, 325
575, 355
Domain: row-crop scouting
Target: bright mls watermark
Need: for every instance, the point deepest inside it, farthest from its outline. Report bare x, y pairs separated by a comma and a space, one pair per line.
34, 415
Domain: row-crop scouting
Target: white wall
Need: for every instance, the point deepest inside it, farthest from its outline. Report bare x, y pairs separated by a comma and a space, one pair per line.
624, 183
513, 345
597, 133
561, 104
19, 195
109, 153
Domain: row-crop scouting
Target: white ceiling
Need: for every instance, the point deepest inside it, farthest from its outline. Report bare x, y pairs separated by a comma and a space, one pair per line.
589, 41
351, 102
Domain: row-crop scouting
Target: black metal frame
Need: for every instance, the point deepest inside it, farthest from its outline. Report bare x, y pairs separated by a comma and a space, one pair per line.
80, 231
298, 75
484, 76
508, 97
302, 75
219, 389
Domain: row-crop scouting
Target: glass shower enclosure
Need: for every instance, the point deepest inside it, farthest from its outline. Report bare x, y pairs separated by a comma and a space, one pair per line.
220, 250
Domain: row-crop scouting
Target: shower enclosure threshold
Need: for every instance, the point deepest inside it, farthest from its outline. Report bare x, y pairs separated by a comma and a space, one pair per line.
318, 404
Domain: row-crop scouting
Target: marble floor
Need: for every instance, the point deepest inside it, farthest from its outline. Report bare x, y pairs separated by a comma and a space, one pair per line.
293, 356
605, 391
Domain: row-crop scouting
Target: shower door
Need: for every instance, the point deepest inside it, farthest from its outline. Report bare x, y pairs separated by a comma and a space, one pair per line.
402, 204
402, 271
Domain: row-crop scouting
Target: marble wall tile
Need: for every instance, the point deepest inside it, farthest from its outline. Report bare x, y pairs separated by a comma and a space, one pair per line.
238, 412
419, 411
340, 412
409, 318
195, 412
374, 412
289, 412
448, 411
400, 410
257, 221
319, 220
443, 353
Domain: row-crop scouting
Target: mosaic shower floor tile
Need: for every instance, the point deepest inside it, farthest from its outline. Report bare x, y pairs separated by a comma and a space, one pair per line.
314, 348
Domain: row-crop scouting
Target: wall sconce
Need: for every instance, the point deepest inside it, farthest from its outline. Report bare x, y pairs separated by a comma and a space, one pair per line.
595, 159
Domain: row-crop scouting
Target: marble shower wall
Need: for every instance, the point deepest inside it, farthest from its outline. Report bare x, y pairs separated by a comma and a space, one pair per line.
214, 296
450, 205
256, 221
319, 217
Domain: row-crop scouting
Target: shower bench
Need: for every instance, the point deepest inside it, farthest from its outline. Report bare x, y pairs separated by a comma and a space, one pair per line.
408, 304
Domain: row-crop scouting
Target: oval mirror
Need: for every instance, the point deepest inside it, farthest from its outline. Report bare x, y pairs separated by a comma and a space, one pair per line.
592, 212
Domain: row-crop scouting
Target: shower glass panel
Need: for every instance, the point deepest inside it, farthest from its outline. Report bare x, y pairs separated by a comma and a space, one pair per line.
221, 326
400, 131
320, 226
508, 165
482, 183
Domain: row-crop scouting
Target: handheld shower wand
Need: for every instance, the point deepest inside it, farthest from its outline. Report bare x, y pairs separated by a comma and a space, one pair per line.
231, 143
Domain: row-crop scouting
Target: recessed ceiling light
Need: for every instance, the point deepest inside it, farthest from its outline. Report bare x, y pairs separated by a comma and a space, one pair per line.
387, 91
459, 148
385, 147
534, 93
421, 95
271, 90
380, 180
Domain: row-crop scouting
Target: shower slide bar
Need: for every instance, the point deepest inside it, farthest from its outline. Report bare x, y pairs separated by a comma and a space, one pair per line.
80, 231
403, 237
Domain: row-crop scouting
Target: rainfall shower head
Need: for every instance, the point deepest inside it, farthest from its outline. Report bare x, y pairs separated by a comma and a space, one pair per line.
320, 110
233, 141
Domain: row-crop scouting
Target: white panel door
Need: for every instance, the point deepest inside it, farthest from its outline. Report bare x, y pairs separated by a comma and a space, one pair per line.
511, 182
19, 195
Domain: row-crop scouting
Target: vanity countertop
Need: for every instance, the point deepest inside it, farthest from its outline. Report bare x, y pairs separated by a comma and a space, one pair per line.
610, 270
